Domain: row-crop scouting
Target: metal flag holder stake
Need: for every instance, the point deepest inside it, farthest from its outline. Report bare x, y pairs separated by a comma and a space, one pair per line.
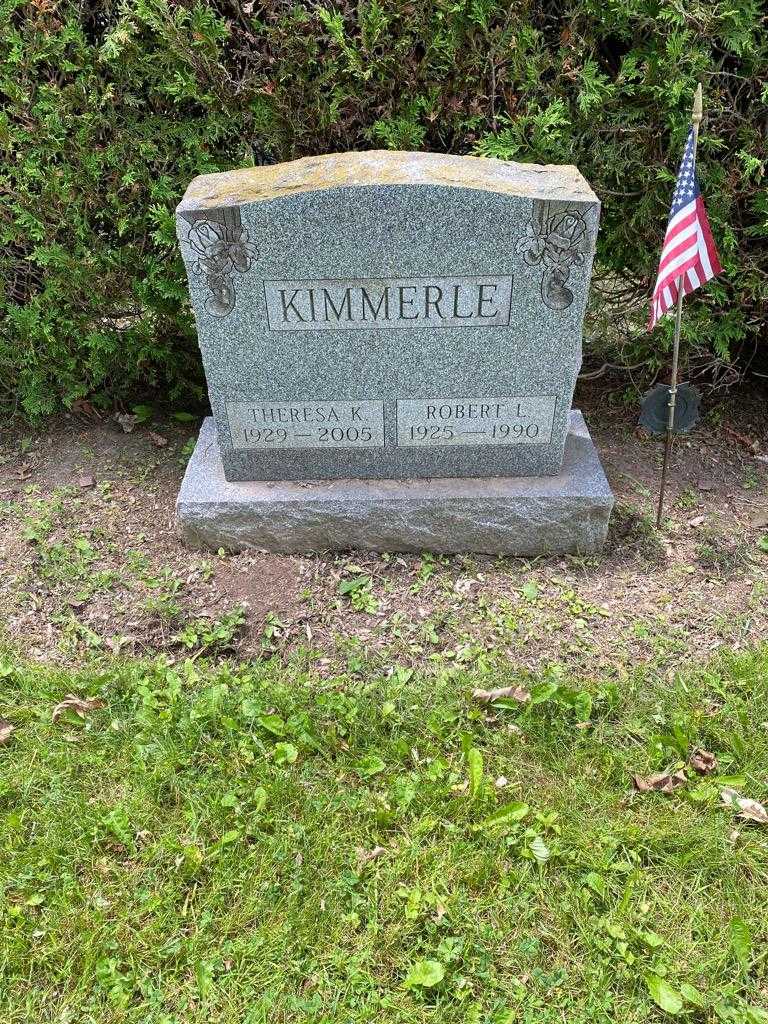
697, 115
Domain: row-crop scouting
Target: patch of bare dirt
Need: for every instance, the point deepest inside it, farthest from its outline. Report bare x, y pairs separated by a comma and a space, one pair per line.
90, 560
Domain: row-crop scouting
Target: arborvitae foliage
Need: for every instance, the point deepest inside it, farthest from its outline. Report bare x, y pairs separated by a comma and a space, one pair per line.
109, 109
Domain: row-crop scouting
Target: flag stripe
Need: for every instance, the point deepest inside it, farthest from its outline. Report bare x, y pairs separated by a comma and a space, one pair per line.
675, 265
674, 222
681, 226
704, 256
680, 244
709, 242
671, 280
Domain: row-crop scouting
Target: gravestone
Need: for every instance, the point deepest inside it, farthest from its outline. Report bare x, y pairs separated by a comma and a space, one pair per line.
404, 331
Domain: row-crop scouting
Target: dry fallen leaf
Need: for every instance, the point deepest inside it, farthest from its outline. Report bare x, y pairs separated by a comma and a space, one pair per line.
366, 856
746, 809
749, 444
6, 728
82, 407
662, 782
752, 810
515, 692
80, 705
702, 761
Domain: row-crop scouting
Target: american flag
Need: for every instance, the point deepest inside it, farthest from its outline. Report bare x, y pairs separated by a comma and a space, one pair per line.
689, 249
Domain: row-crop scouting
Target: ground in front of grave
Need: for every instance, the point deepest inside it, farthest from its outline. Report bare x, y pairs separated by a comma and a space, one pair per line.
90, 562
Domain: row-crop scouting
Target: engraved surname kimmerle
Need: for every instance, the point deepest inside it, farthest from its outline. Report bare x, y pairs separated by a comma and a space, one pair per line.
390, 304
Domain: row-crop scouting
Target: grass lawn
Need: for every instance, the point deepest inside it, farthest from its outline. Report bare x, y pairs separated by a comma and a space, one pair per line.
256, 843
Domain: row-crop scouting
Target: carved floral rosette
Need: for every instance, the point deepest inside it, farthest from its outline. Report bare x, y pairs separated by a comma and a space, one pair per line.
555, 239
223, 250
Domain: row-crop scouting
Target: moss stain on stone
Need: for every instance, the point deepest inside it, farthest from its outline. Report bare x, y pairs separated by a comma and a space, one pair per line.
383, 167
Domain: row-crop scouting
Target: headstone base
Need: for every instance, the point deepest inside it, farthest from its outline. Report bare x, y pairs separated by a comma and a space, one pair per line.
566, 513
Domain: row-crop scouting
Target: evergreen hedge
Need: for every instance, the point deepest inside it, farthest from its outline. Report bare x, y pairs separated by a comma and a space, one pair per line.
110, 108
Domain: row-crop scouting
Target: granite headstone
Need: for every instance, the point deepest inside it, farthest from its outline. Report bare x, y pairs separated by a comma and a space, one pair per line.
386, 316
390, 315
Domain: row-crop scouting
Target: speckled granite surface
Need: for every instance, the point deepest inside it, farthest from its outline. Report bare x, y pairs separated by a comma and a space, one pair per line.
567, 512
364, 280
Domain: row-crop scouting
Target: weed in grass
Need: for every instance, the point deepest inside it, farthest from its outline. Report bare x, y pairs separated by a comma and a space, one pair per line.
720, 555
273, 632
357, 586
212, 636
751, 480
186, 451
75, 634
38, 524
635, 534
427, 567
165, 587
688, 499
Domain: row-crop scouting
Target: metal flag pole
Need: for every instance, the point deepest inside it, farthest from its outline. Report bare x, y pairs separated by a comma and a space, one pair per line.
697, 115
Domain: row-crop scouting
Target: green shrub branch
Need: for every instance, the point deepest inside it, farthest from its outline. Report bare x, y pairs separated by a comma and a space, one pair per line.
108, 110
